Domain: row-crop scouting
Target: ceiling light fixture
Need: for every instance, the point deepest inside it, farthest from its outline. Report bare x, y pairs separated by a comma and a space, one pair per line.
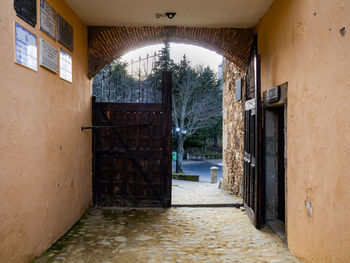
170, 15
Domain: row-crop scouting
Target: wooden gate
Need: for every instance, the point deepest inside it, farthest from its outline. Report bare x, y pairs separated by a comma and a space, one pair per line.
252, 140
132, 152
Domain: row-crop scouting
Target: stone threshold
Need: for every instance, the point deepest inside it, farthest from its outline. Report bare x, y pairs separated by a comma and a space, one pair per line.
235, 205
279, 228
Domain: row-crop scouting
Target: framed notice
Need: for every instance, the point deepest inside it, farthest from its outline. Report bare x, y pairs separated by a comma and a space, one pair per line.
238, 94
26, 48
26, 9
48, 56
47, 19
64, 33
66, 70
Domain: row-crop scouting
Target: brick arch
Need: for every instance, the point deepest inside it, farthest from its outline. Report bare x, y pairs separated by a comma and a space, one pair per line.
107, 43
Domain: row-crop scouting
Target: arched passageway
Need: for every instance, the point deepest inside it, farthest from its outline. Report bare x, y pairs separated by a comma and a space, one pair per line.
107, 43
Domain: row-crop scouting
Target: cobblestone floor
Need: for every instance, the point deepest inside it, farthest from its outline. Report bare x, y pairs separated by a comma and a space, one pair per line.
187, 192
167, 235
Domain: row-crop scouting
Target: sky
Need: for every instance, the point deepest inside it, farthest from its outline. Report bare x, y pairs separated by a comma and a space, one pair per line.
195, 54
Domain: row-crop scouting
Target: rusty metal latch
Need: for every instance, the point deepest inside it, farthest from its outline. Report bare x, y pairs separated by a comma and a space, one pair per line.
115, 127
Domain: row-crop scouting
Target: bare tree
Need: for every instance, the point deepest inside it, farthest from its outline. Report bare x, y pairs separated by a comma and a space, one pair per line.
197, 100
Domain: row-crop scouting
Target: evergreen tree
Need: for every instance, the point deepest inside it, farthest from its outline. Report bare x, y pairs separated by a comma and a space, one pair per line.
164, 62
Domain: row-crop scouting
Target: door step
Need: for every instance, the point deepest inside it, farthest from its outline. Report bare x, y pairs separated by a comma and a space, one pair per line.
236, 205
278, 227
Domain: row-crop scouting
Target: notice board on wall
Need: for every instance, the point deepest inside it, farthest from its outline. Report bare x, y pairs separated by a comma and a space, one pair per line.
66, 68
238, 94
48, 56
64, 33
26, 9
26, 48
47, 19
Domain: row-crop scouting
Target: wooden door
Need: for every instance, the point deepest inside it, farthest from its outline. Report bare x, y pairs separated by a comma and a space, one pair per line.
132, 152
252, 180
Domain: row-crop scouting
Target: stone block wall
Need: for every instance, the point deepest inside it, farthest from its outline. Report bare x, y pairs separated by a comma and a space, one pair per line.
233, 129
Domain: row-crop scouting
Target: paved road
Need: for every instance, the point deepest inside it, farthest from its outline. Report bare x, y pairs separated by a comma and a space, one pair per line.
194, 193
202, 168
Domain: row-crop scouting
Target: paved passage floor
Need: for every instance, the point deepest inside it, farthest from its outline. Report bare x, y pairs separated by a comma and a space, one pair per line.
167, 235
197, 193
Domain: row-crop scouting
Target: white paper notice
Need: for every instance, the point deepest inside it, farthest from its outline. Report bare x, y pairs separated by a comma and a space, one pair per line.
26, 48
65, 65
48, 56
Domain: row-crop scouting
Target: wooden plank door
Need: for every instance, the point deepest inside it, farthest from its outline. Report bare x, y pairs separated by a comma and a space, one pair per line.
252, 181
132, 152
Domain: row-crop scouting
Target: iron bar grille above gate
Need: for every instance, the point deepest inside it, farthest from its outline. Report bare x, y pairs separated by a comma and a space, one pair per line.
129, 82
252, 139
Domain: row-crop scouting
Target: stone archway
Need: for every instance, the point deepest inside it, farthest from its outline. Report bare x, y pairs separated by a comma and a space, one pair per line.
107, 43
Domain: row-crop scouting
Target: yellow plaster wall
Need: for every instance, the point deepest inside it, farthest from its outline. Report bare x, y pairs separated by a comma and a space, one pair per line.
45, 160
300, 43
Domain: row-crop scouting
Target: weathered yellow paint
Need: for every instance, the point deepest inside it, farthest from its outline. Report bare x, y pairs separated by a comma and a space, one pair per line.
45, 159
300, 43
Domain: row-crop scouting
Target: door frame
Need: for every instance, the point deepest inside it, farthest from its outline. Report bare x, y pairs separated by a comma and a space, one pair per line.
282, 101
